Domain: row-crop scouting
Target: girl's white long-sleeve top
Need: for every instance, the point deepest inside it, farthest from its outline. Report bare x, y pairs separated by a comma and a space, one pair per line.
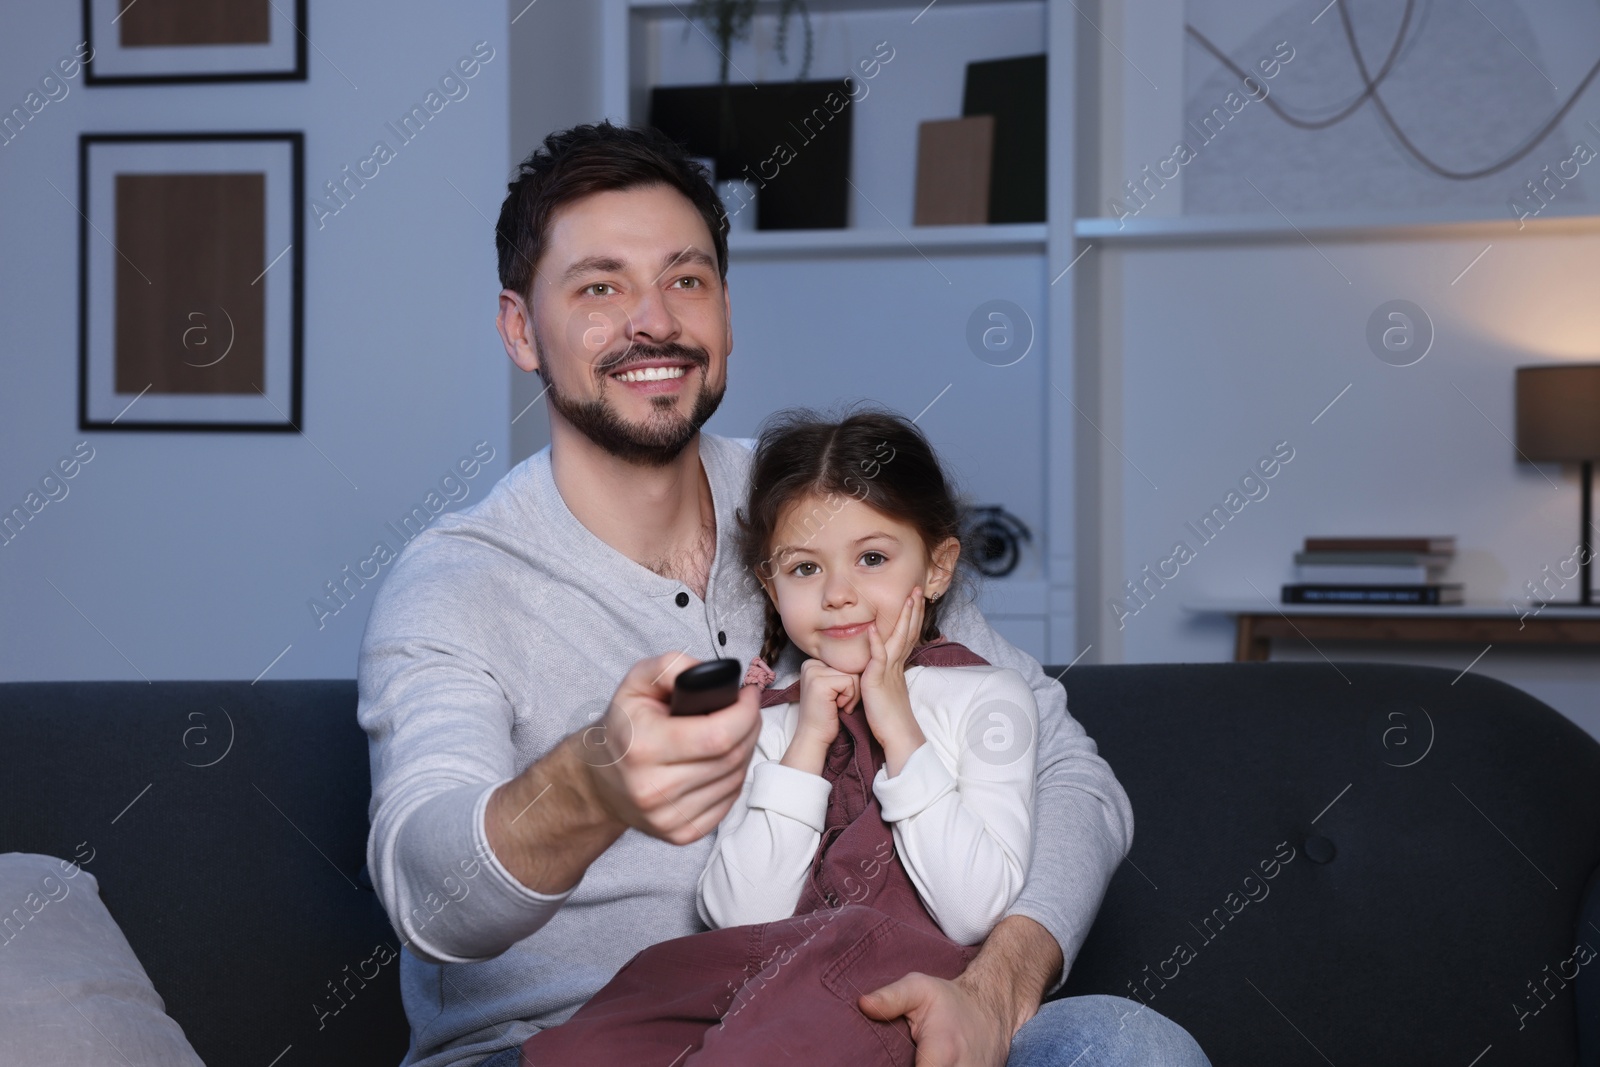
961, 809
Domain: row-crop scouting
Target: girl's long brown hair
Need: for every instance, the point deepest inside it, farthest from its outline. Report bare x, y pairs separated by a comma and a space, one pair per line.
871, 455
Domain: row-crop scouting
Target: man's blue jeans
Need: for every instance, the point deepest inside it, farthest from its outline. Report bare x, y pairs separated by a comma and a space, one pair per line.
1101, 1031
1093, 1031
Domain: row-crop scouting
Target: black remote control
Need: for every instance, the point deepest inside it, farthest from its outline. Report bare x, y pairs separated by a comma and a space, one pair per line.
706, 687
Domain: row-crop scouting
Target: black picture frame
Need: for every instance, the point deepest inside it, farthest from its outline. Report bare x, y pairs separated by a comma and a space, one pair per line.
94, 76
88, 231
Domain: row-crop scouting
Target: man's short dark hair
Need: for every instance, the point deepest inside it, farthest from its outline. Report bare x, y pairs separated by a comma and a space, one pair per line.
588, 159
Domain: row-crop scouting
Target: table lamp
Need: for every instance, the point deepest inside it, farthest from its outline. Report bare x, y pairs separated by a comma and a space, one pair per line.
1558, 419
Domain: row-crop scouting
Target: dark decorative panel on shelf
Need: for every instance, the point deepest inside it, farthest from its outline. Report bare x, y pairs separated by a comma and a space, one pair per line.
1013, 91
791, 140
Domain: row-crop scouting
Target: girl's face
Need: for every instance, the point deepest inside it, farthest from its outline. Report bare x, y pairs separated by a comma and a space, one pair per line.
838, 566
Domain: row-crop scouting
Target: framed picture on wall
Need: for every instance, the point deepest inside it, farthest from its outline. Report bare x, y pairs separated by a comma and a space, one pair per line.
164, 41
190, 281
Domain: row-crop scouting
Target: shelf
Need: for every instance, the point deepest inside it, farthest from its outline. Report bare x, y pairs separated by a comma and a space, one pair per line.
907, 241
1473, 609
681, 8
1340, 225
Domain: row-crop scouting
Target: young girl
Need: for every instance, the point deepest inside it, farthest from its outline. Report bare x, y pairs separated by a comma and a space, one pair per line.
885, 824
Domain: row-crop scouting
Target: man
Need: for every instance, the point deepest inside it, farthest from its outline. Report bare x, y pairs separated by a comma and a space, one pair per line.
531, 835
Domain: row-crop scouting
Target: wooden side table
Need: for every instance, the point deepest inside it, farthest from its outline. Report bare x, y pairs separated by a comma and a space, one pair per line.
1258, 622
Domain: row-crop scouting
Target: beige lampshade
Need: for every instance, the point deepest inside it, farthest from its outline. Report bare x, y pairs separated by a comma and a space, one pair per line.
1558, 412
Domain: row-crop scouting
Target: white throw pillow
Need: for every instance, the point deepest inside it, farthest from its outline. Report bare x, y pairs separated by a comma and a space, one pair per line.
71, 990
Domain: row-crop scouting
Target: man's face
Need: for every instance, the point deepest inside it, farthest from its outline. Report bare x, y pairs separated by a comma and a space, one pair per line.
630, 321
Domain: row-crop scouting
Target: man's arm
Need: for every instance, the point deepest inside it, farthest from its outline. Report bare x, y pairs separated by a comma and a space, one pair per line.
673, 778
439, 733
972, 1020
439, 730
1019, 961
547, 824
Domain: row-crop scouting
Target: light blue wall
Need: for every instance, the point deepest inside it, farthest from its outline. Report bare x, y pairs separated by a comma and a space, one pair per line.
1212, 352
195, 555
1226, 351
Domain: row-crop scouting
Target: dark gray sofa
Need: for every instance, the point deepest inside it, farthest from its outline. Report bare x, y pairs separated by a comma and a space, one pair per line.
1362, 865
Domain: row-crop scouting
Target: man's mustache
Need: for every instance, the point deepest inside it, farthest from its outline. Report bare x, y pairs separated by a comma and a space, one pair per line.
637, 354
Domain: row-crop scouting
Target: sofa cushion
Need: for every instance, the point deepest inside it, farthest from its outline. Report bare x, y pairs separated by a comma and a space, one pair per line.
1362, 863
72, 993
227, 823
1586, 987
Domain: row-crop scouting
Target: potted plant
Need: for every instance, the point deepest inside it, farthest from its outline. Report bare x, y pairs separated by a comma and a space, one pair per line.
734, 124
729, 21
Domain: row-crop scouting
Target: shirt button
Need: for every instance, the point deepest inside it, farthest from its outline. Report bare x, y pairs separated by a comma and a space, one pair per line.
683, 600
722, 637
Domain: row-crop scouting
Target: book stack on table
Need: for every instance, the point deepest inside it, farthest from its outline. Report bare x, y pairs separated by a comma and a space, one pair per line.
1374, 570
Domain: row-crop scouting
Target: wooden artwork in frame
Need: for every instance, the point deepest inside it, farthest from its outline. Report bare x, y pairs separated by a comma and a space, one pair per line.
153, 42
190, 281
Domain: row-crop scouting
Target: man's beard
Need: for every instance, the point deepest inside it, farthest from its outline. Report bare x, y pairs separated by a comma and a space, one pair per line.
663, 438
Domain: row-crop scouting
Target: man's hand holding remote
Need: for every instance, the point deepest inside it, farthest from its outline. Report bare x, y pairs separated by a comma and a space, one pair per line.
673, 777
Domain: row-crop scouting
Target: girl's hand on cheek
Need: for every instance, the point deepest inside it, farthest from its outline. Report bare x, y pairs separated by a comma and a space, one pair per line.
883, 685
824, 694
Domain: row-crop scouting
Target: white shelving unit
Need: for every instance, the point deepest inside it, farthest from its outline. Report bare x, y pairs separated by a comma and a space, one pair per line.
1485, 609
1015, 237
622, 37
1036, 609
1341, 225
